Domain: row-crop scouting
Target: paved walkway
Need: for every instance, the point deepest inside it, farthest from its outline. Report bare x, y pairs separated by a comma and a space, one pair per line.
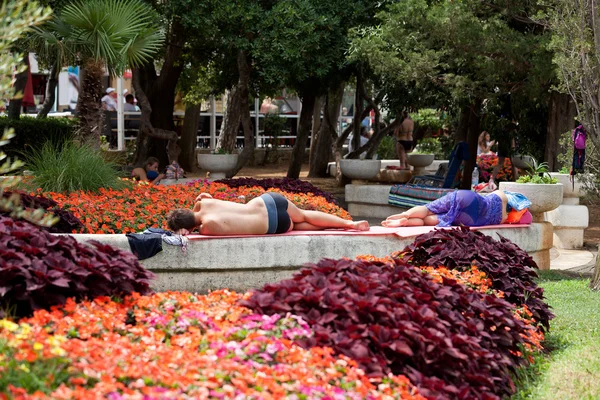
579, 262
573, 261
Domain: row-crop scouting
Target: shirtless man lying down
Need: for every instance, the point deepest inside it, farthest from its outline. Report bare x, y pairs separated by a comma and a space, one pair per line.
271, 213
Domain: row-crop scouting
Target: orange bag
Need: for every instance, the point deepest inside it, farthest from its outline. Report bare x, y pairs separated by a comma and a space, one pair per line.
514, 216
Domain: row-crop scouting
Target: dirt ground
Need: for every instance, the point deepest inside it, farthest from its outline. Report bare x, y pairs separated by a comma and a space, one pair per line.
591, 235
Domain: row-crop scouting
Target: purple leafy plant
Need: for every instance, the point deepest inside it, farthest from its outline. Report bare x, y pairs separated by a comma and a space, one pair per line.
67, 222
39, 270
451, 341
511, 269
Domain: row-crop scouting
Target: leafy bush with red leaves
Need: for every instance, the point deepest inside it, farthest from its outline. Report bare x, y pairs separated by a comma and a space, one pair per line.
451, 341
511, 269
286, 184
67, 222
39, 270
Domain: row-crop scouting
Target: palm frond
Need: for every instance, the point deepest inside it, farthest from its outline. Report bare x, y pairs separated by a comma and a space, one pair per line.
118, 32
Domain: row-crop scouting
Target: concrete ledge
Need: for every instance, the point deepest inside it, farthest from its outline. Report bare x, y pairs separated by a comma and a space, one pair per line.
565, 238
244, 263
569, 216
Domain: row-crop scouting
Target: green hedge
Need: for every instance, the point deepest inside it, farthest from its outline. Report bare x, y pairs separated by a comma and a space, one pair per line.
32, 133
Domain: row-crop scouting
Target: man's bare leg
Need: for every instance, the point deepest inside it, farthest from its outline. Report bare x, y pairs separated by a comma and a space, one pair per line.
321, 220
401, 155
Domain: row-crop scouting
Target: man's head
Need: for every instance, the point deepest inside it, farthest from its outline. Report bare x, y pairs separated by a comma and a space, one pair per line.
151, 164
111, 92
129, 98
181, 219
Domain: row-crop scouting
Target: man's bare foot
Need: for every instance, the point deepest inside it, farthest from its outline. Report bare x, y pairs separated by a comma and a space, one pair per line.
394, 223
361, 225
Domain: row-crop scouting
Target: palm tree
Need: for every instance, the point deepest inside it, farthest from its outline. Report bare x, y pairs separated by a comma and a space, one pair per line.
102, 35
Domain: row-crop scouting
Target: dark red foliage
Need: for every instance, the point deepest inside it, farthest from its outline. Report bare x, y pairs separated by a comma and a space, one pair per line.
285, 184
67, 222
39, 270
511, 269
451, 341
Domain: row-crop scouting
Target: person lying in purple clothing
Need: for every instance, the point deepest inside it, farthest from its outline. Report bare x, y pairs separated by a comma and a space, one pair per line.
462, 207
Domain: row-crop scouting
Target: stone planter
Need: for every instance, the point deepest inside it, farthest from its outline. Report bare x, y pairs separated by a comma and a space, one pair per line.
570, 219
543, 197
419, 162
522, 162
571, 193
360, 169
217, 164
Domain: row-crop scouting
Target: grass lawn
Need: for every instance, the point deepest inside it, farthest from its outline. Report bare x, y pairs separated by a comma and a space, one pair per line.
572, 368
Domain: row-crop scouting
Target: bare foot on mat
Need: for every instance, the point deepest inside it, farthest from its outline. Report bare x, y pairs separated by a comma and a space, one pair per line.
361, 225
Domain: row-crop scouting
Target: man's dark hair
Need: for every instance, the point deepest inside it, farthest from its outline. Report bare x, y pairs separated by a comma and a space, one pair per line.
150, 161
129, 97
181, 218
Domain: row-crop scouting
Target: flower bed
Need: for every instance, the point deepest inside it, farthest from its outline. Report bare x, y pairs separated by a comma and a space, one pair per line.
486, 164
143, 206
284, 184
354, 329
175, 345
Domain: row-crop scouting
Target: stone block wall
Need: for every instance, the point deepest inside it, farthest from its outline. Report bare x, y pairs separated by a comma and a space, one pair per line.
570, 219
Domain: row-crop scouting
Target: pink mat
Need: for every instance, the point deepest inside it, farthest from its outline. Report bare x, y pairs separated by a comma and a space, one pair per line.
419, 230
374, 231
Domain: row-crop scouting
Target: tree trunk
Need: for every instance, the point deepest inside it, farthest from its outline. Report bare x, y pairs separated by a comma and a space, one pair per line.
560, 120
147, 131
358, 110
14, 106
243, 107
189, 137
327, 133
472, 134
231, 122
306, 120
595, 281
237, 107
91, 115
160, 90
316, 125
50, 97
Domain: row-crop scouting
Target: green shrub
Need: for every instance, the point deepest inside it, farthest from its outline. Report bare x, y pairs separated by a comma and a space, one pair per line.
70, 168
430, 145
32, 133
428, 119
387, 149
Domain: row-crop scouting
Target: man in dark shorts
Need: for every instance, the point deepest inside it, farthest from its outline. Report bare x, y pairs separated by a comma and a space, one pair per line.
506, 149
271, 213
404, 137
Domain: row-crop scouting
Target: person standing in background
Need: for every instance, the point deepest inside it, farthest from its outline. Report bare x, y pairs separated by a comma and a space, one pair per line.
404, 139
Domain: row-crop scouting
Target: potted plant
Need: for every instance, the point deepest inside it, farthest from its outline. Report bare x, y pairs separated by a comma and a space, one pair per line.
423, 155
544, 191
360, 169
218, 163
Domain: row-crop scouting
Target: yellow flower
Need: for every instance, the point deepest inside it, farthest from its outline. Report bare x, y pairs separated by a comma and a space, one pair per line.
57, 351
37, 346
8, 325
24, 368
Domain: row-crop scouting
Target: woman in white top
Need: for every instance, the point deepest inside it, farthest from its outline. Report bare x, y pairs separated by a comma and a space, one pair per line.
484, 145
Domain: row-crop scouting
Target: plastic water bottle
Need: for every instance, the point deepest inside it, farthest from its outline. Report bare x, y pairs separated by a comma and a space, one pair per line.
475, 178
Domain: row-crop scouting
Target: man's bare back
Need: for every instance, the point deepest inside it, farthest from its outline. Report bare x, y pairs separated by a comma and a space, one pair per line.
216, 217
271, 213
